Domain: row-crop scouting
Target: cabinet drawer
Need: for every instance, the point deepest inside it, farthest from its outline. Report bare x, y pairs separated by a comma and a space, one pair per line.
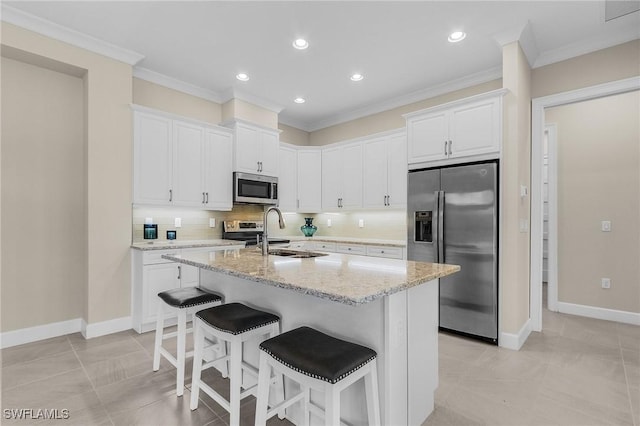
155, 257
383, 251
300, 245
324, 246
352, 249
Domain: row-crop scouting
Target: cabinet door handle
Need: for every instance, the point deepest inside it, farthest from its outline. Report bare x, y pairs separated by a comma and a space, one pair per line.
207, 197
258, 163
450, 143
203, 198
170, 195
179, 272
298, 204
445, 147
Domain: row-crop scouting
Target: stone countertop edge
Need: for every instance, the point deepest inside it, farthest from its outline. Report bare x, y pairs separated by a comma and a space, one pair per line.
165, 245
324, 295
350, 240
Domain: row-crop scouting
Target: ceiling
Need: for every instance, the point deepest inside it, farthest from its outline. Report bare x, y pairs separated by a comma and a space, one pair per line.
401, 48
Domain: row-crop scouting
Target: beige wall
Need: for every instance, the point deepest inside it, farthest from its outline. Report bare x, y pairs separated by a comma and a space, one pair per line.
239, 109
515, 169
43, 196
106, 167
159, 97
293, 135
599, 179
615, 63
391, 119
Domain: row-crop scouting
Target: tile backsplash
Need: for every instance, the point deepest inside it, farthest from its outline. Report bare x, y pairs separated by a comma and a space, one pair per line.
388, 225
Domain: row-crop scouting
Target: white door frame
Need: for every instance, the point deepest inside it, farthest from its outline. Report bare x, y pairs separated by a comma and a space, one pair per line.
552, 198
538, 106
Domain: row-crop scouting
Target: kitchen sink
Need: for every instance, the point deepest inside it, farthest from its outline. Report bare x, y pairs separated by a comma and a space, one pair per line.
295, 254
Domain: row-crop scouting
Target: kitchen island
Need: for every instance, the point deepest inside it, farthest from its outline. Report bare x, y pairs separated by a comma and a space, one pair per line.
388, 305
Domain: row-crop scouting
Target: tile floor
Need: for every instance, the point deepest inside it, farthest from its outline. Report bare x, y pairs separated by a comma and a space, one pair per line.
579, 371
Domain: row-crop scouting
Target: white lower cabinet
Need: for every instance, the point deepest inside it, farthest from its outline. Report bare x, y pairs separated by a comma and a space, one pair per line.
385, 251
151, 274
390, 252
351, 249
324, 246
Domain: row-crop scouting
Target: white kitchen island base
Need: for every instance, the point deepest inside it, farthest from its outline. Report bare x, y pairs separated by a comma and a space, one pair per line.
402, 328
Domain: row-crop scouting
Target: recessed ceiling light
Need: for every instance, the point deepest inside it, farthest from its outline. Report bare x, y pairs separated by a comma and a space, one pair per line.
357, 77
457, 36
300, 44
299, 100
242, 76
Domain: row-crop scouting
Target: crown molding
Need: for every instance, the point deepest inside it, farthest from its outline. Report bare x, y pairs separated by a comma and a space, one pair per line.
233, 93
586, 46
75, 38
522, 34
179, 85
420, 95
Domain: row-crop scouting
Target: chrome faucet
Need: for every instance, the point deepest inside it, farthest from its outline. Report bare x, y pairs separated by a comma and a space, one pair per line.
265, 234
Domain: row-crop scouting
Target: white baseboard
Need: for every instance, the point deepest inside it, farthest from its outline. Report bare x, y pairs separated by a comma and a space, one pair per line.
515, 341
599, 313
47, 331
98, 329
40, 332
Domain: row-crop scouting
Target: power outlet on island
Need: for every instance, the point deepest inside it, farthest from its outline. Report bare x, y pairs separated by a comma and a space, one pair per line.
177, 222
606, 283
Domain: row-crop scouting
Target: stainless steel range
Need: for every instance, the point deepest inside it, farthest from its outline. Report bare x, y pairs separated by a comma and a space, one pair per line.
248, 231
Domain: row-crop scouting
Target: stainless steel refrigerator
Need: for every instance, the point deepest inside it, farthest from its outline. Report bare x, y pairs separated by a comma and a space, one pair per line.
453, 218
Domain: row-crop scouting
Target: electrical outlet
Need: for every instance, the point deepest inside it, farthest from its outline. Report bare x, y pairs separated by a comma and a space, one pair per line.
606, 226
361, 223
177, 222
212, 222
606, 283
328, 223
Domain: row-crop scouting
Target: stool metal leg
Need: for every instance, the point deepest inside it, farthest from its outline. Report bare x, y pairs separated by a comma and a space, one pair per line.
181, 350
159, 333
371, 391
198, 337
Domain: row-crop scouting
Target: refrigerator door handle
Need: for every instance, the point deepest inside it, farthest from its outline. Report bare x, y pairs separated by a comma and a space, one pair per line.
440, 233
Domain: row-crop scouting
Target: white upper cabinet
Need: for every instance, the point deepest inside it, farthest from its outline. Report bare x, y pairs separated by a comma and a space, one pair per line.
218, 170
188, 166
309, 179
256, 149
342, 177
287, 180
153, 155
385, 171
462, 129
180, 162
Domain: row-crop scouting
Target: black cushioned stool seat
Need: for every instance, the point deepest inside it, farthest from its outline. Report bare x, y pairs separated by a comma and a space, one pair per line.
187, 297
236, 318
231, 324
180, 302
320, 362
316, 354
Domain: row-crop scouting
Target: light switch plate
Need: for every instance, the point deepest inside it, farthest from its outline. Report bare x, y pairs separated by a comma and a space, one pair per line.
361, 223
177, 222
212, 222
606, 226
328, 223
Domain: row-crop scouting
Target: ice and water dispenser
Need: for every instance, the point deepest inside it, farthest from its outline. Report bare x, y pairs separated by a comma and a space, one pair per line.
424, 226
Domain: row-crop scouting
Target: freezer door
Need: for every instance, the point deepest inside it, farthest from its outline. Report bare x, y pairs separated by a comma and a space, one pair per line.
468, 299
422, 215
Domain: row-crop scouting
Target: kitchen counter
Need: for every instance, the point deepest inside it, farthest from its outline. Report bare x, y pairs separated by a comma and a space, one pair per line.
388, 305
348, 279
171, 244
351, 240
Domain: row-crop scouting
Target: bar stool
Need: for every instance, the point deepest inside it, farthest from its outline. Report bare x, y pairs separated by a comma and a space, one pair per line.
320, 362
233, 323
184, 301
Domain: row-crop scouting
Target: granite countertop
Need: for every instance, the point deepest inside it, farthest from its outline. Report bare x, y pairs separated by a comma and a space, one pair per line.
170, 244
348, 279
350, 240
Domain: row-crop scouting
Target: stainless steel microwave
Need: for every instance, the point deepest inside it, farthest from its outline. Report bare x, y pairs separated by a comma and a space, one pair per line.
249, 188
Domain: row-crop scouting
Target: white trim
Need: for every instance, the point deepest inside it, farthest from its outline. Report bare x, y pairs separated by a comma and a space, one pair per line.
67, 35
522, 34
538, 106
179, 85
584, 47
515, 341
98, 329
599, 313
233, 93
39, 332
420, 95
552, 239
